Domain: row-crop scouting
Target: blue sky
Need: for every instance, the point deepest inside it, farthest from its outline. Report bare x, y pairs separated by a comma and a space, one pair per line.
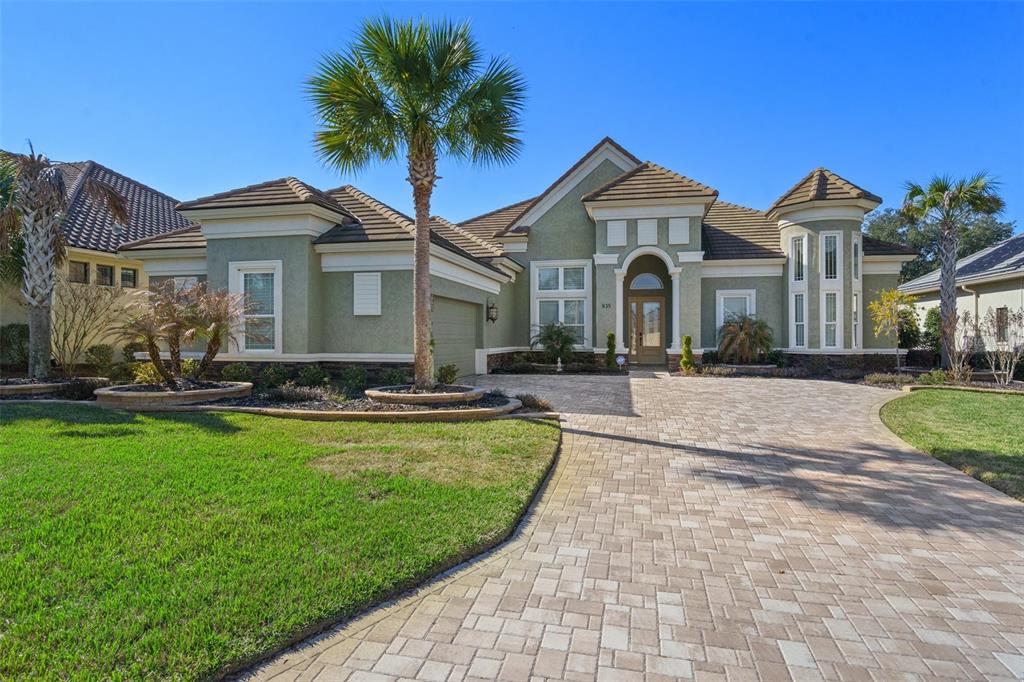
196, 98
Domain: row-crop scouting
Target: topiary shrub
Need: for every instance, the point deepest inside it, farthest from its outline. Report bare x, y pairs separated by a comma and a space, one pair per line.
447, 374
312, 375
14, 345
101, 357
80, 389
353, 378
609, 353
273, 376
236, 371
686, 358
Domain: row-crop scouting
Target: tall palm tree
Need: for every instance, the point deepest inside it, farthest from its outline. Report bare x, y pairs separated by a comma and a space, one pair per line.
33, 221
949, 202
416, 90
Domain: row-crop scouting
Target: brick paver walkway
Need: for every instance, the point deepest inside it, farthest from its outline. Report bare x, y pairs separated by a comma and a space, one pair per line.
719, 529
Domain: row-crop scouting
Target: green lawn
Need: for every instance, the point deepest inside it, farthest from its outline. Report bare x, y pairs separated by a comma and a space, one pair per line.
982, 434
174, 546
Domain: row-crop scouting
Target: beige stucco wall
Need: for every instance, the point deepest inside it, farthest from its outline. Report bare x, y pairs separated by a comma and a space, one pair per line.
980, 298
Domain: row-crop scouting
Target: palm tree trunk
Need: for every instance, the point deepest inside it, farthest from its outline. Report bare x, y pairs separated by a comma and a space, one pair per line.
422, 176
38, 276
947, 286
39, 338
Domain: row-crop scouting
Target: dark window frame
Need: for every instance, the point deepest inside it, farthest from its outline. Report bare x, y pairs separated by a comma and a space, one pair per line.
135, 278
100, 267
71, 271
1002, 324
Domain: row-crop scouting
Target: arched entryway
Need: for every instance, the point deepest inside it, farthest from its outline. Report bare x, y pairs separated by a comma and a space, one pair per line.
647, 302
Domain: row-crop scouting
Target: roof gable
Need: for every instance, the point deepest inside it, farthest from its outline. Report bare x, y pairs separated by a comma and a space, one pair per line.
651, 181
821, 184
605, 150
489, 224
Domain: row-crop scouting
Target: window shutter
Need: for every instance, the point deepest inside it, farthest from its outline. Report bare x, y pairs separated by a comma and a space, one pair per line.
366, 293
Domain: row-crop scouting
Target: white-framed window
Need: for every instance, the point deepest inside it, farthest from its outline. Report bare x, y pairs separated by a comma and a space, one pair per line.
798, 313
855, 319
560, 291
831, 256
260, 282
616, 232
798, 258
366, 293
830, 319
855, 258
733, 303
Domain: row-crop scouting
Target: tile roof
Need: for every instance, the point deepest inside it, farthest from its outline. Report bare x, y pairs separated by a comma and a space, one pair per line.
89, 225
732, 231
190, 237
464, 239
1004, 260
821, 184
280, 192
650, 181
877, 247
491, 223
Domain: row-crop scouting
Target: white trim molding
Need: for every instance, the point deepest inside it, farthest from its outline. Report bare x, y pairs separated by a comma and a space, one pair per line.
236, 272
606, 259
824, 210
720, 294
637, 210
268, 224
202, 215
766, 267
689, 256
647, 251
164, 267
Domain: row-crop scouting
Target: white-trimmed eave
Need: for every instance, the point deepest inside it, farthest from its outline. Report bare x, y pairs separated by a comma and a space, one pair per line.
828, 209
743, 267
648, 208
606, 152
165, 254
199, 214
889, 264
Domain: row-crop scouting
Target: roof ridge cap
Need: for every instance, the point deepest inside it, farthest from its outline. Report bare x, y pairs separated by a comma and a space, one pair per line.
496, 210
97, 164
384, 209
220, 195
76, 189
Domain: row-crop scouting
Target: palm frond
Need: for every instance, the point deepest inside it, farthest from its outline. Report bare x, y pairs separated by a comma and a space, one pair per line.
105, 194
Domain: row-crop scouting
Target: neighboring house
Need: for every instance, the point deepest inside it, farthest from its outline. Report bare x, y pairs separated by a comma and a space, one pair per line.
613, 245
991, 279
93, 236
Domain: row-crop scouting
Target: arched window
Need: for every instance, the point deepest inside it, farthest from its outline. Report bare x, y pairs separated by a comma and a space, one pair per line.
645, 281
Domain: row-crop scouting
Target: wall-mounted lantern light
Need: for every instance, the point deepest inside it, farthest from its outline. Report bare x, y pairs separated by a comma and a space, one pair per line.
492, 311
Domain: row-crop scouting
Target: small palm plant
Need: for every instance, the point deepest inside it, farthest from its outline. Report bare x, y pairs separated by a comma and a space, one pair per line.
744, 339
888, 311
557, 340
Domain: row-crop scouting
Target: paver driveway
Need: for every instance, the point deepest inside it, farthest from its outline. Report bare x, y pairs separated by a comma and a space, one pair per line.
716, 529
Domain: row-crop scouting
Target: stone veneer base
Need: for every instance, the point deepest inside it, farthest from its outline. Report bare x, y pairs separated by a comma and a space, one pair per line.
149, 401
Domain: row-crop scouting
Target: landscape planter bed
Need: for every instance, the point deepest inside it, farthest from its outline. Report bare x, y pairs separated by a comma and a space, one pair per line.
145, 398
442, 394
27, 388
750, 370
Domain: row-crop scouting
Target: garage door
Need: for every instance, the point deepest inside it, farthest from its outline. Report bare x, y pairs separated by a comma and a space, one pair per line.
455, 325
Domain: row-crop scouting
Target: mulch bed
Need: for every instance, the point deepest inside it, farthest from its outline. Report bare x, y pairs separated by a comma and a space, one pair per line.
412, 390
164, 388
25, 381
360, 404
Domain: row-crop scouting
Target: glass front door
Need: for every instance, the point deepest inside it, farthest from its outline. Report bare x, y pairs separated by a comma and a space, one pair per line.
646, 330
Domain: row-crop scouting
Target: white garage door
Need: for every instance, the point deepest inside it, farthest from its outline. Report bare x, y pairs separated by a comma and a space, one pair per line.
455, 324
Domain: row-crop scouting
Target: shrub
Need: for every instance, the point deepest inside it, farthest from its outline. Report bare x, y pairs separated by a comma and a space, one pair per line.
710, 357
883, 379
147, 373
14, 345
775, 357
130, 349
312, 375
82, 314
80, 389
790, 372
236, 371
533, 402
122, 372
609, 353
909, 334
931, 336
521, 368
686, 358
101, 357
557, 340
447, 374
291, 392
934, 378
394, 377
847, 373
744, 339
273, 376
353, 378
717, 371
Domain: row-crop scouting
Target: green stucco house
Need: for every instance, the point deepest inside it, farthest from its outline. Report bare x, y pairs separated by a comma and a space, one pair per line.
613, 245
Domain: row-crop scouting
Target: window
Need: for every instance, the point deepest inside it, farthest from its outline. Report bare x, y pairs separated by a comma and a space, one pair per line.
260, 283
831, 318
105, 275
366, 293
129, 278
78, 271
734, 303
1002, 324
831, 256
798, 257
646, 281
799, 321
561, 293
856, 259
855, 319
185, 282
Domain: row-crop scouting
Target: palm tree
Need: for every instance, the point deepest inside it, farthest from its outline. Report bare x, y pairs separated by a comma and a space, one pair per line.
416, 90
743, 339
33, 221
950, 202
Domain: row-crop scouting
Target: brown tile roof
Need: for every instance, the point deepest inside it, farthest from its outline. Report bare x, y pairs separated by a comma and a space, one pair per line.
821, 184
190, 237
650, 181
469, 242
877, 247
540, 197
491, 223
89, 225
732, 231
280, 192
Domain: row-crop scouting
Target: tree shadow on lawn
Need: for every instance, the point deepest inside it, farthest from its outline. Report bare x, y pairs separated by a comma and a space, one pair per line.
894, 487
118, 421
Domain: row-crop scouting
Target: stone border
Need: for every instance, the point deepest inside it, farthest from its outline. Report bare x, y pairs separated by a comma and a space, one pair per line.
39, 389
382, 395
910, 388
149, 401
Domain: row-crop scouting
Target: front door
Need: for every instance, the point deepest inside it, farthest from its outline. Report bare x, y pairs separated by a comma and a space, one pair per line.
647, 330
